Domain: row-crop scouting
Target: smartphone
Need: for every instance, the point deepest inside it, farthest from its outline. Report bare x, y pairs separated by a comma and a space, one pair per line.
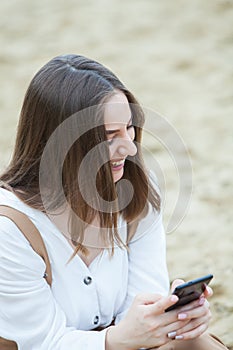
190, 291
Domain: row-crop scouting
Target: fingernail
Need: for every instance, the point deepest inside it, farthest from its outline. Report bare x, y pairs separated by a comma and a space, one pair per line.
201, 301
171, 335
179, 337
174, 298
182, 316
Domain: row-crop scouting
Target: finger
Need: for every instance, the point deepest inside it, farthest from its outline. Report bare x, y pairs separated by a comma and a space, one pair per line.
194, 304
194, 333
193, 324
176, 283
194, 313
191, 305
162, 304
180, 328
208, 292
146, 298
172, 329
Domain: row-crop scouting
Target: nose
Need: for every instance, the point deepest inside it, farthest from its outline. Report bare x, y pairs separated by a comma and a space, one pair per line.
126, 147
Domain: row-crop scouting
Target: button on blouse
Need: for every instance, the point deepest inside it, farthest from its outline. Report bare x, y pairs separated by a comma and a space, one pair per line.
96, 320
87, 280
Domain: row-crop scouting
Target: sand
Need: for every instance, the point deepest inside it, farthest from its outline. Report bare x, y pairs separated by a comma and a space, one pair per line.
176, 56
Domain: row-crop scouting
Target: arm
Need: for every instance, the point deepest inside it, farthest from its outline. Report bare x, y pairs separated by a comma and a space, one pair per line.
29, 313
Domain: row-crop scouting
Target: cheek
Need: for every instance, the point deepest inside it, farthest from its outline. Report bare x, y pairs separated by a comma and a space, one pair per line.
112, 150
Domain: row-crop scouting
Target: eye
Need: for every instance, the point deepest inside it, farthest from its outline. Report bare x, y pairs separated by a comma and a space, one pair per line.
110, 141
115, 133
131, 131
112, 134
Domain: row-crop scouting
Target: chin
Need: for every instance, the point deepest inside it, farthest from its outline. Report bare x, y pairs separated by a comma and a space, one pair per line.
117, 177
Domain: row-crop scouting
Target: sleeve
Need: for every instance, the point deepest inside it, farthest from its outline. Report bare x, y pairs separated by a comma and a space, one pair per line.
29, 314
147, 270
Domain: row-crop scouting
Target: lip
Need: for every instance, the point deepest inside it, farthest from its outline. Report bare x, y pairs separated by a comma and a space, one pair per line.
117, 164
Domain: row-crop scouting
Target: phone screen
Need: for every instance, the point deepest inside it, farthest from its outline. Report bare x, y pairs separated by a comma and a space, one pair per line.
190, 291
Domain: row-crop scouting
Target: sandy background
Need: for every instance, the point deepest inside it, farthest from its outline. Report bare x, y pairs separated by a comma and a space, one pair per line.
176, 56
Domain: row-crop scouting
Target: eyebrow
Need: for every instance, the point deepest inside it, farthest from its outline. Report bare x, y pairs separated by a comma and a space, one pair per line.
110, 131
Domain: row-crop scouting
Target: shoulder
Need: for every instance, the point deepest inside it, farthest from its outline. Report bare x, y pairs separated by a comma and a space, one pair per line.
9, 199
8, 229
16, 253
18, 260
9, 232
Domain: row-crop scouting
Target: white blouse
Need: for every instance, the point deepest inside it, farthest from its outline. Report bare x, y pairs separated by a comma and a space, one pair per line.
81, 298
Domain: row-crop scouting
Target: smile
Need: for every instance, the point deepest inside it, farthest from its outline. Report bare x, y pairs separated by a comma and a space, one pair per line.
117, 165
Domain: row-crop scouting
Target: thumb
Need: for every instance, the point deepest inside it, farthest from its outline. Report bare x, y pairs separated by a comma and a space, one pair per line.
176, 283
146, 298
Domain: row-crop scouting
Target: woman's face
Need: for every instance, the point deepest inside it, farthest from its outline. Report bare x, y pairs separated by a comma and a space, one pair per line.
120, 132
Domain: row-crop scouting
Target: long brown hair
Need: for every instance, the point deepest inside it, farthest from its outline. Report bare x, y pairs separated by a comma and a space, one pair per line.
64, 87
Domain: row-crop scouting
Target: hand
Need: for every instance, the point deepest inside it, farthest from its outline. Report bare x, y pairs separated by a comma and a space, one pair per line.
146, 325
196, 316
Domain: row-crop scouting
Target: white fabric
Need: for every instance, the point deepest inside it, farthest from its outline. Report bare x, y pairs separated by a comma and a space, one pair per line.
60, 318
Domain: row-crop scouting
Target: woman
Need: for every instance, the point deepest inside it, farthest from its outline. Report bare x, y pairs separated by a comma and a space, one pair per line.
77, 172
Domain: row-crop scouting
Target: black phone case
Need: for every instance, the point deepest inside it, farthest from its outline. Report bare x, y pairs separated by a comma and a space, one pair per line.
190, 291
